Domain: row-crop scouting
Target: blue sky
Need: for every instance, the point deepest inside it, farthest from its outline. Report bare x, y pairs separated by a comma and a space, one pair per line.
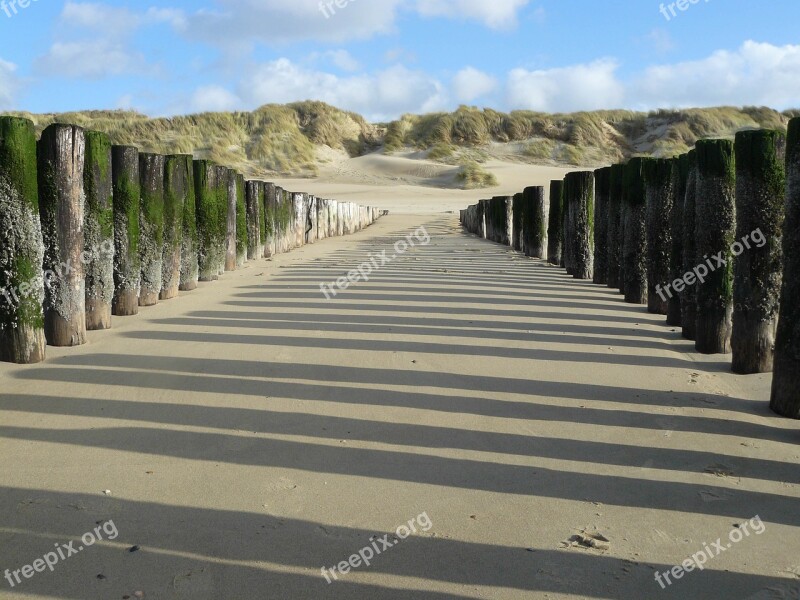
386, 57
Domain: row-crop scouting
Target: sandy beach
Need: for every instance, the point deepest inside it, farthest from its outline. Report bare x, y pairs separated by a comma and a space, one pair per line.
246, 435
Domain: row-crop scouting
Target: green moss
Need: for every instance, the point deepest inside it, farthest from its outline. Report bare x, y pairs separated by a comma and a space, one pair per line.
760, 152
29, 311
18, 158
96, 184
152, 196
716, 158
126, 200
241, 217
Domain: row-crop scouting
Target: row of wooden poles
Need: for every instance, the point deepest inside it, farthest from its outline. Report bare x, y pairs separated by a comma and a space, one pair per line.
727, 212
89, 230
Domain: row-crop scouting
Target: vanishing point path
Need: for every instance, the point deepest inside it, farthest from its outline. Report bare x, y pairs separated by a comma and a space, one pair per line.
246, 435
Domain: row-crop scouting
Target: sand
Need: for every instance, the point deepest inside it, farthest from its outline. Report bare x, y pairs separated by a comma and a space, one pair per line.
245, 435
408, 184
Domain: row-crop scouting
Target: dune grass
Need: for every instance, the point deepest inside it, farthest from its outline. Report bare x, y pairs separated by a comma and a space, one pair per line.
283, 139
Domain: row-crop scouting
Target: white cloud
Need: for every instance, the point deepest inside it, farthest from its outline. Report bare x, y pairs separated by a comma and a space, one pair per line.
106, 51
93, 59
497, 14
237, 24
470, 83
378, 96
339, 58
755, 74
214, 98
589, 86
8, 84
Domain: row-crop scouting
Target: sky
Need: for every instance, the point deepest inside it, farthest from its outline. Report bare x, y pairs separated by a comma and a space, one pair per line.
384, 58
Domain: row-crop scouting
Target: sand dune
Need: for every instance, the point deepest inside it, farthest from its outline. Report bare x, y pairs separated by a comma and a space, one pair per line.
408, 184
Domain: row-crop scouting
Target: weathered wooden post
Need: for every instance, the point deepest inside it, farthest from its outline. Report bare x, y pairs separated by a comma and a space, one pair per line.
635, 247
98, 231
241, 222
172, 248
271, 236
151, 227
534, 229
321, 222
190, 266
61, 153
715, 230
680, 173
689, 296
207, 208
555, 229
579, 192
311, 233
254, 198
658, 192
517, 221
758, 263
615, 231
340, 226
127, 261
785, 399
333, 216
568, 255
230, 235
22, 337
602, 178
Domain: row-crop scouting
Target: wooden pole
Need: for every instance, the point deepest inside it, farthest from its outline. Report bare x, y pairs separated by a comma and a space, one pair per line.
680, 174
689, 295
254, 198
271, 242
658, 191
241, 222
602, 201
22, 338
151, 227
758, 262
190, 266
61, 152
785, 399
579, 192
98, 231
555, 230
715, 230
517, 220
534, 229
206, 187
230, 236
635, 246
615, 230
127, 197
175, 192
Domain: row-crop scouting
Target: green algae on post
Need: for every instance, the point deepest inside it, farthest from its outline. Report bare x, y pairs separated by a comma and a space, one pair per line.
22, 338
